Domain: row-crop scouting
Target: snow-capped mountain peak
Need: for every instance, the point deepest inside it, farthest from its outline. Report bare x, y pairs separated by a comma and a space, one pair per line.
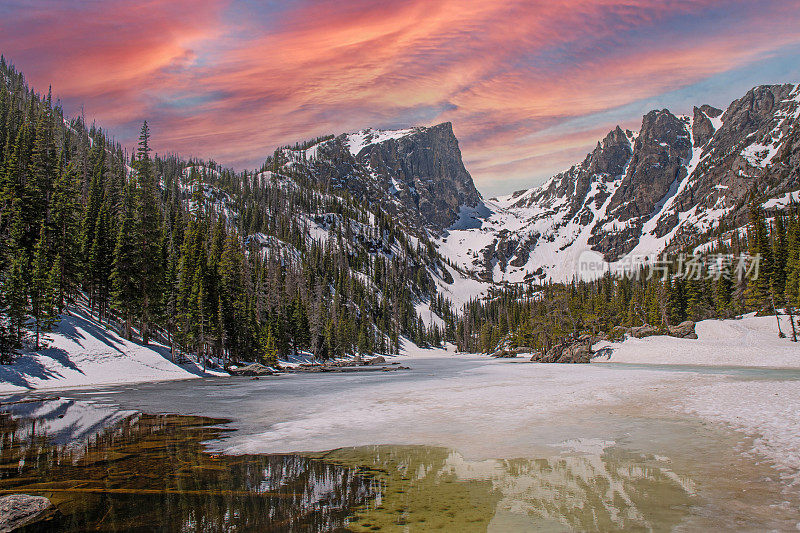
638, 194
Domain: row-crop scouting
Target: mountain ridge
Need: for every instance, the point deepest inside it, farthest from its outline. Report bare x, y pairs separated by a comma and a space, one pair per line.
638, 194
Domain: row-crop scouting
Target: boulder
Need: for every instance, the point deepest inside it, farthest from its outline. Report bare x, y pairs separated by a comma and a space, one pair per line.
641, 332
567, 352
505, 352
684, 330
345, 363
523, 349
378, 360
606, 353
617, 332
253, 369
20, 510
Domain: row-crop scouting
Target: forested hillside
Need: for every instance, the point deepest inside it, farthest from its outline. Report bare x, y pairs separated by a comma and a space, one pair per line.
333, 246
234, 265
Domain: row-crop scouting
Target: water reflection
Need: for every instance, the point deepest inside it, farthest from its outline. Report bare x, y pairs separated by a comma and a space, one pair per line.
150, 472
437, 488
115, 470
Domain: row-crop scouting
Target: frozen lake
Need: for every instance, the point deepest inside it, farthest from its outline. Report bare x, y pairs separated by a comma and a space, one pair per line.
651, 445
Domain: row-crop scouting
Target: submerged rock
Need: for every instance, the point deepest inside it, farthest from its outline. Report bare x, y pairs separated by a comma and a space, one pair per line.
20, 510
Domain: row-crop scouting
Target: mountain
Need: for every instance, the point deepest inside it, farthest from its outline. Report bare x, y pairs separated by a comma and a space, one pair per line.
416, 174
637, 194
344, 244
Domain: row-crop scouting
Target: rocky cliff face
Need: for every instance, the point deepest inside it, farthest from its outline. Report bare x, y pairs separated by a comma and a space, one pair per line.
634, 196
656, 164
638, 194
415, 173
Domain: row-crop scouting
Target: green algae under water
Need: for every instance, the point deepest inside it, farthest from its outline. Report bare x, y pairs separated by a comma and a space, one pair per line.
151, 472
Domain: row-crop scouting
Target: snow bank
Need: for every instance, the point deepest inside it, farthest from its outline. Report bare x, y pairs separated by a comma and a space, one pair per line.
81, 352
750, 341
411, 350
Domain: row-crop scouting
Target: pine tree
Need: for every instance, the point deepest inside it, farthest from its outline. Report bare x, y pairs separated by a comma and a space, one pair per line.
65, 224
780, 255
97, 158
723, 296
269, 347
232, 294
759, 289
792, 290
101, 259
41, 290
126, 288
149, 236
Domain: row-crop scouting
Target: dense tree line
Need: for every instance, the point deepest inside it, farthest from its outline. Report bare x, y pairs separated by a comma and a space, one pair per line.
723, 281
220, 264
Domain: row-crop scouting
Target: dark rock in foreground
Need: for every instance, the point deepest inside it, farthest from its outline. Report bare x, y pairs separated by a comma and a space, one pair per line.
20, 510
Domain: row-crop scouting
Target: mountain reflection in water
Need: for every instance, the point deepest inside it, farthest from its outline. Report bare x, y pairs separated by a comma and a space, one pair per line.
116, 470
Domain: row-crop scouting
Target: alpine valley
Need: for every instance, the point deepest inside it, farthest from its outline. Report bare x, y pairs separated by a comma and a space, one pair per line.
349, 243
676, 184
306, 346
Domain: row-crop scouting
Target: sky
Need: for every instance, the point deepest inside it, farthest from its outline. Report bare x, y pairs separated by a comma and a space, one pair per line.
530, 86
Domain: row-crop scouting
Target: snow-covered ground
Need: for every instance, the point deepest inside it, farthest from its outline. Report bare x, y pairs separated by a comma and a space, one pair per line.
749, 341
80, 352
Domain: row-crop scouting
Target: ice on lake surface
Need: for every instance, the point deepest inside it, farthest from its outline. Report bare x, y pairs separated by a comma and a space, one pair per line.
454, 444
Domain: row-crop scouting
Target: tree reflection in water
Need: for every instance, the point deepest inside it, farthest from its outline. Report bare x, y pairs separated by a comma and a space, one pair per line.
111, 470
151, 472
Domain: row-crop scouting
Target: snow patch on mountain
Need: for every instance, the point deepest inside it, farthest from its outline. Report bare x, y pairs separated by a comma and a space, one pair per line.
361, 139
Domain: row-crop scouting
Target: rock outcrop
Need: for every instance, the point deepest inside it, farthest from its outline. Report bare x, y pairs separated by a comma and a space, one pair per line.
640, 332
253, 369
684, 330
416, 174
579, 351
511, 352
639, 194
657, 162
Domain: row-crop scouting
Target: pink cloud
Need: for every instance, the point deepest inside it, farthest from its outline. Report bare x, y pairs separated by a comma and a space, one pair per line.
219, 80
